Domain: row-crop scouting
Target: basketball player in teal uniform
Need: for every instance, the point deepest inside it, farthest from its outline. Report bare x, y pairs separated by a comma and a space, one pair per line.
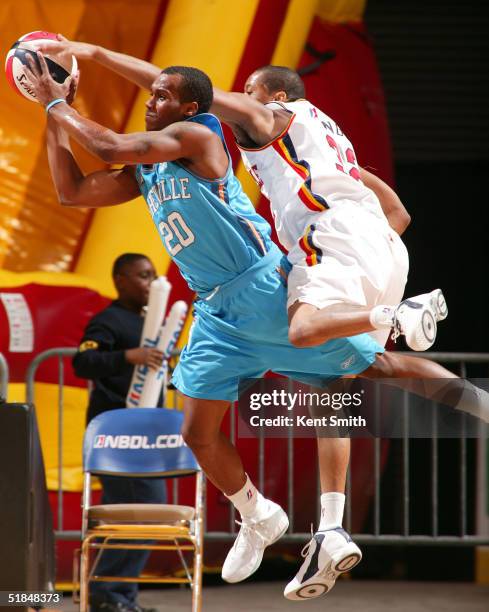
224, 251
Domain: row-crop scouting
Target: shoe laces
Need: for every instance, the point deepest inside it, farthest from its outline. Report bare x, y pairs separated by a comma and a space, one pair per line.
305, 549
396, 325
327, 572
248, 531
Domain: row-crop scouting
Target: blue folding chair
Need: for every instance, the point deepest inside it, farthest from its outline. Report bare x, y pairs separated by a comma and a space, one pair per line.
145, 443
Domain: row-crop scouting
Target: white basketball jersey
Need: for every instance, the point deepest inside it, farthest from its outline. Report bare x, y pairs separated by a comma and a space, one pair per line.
308, 169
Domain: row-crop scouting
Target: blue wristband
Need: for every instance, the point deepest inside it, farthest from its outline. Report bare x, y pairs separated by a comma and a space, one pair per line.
53, 103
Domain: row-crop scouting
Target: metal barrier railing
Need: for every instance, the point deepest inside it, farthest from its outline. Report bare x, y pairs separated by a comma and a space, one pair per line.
376, 537
405, 536
60, 353
4, 374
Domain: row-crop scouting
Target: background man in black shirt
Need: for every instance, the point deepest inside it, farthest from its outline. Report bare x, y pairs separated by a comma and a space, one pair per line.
107, 354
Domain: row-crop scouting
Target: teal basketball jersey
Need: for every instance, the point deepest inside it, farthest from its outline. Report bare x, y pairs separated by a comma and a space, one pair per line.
209, 227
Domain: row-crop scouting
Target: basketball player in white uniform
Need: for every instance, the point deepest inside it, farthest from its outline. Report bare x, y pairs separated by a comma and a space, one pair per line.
339, 242
349, 266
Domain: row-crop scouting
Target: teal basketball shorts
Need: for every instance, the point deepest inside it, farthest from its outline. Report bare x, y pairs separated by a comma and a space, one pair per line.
241, 331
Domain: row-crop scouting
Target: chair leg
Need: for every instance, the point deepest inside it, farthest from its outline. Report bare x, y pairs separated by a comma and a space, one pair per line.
198, 543
84, 573
76, 576
197, 578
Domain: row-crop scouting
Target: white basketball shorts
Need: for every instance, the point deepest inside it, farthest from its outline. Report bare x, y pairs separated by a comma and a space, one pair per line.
348, 256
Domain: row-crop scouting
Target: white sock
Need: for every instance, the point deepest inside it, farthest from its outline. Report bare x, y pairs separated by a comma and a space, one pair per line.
248, 501
381, 316
474, 401
332, 508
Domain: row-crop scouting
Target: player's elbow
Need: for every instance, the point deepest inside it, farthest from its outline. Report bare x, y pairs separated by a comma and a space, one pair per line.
71, 199
402, 222
301, 336
399, 219
67, 200
406, 219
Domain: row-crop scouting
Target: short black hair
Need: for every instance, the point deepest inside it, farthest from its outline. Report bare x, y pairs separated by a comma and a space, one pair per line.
196, 86
281, 78
125, 260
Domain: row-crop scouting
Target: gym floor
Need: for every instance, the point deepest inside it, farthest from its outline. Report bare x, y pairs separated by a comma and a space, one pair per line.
347, 596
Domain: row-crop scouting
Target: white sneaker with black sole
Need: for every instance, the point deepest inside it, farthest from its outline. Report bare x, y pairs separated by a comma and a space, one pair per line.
245, 556
416, 319
436, 301
328, 554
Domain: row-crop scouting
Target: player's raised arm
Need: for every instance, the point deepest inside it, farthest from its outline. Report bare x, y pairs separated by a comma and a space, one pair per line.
174, 142
397, 216
136, 70
242, 113
156, 145
258, 122
237, 108
102, 188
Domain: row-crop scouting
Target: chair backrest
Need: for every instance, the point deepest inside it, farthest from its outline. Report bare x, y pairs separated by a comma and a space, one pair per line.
137, 442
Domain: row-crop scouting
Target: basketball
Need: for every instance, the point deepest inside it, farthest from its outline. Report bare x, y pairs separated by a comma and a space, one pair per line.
60, 67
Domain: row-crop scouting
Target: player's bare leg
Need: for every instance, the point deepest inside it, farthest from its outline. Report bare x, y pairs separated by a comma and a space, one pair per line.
431, 380
415, 318
392, 365
263, 522
216, 455
333, 457
310, 326
330, 550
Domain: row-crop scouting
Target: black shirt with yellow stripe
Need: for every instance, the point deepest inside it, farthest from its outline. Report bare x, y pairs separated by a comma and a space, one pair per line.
100, 356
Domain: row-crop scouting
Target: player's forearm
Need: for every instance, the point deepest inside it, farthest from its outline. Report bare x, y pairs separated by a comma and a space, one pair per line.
220, 103
65, 172
133, 69
399, 221
397, 215
74, 188
235, 108
93, 137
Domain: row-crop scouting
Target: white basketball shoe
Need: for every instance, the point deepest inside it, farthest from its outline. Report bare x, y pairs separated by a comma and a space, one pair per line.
328, 554
416, 319
245, 556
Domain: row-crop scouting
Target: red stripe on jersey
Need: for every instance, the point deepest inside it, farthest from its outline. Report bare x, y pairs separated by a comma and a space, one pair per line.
312, 252
305, 195
308, 199
282, 150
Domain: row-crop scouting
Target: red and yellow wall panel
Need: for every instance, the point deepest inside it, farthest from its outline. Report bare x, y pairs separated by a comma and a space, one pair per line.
36, 232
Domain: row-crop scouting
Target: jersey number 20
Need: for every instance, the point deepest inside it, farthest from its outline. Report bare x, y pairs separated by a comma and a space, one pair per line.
176, 233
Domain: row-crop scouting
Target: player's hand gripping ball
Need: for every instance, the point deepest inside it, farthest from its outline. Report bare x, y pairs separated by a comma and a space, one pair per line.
60, 66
